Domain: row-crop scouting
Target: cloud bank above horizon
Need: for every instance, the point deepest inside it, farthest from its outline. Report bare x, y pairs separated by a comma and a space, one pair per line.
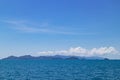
79, 51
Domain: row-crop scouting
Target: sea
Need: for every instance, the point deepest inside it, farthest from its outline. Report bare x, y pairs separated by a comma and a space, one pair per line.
59, 69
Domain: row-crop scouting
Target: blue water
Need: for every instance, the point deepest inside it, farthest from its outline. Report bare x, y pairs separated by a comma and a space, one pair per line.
60, 70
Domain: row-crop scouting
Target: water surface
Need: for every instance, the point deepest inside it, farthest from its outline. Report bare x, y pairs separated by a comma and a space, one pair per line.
59, 70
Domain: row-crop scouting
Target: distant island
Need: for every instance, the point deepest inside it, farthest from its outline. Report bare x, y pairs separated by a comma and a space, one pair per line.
29, 57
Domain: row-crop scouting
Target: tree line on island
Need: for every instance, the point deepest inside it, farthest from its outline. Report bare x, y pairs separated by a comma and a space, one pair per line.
29, 57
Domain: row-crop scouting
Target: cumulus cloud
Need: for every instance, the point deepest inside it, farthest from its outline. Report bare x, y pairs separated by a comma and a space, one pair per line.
79, 51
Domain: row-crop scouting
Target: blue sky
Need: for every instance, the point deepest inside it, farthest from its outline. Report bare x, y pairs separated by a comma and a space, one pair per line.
44, 26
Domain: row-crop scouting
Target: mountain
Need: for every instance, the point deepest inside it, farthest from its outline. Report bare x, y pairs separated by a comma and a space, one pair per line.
95, 58
11, 57
28, 57
72, 58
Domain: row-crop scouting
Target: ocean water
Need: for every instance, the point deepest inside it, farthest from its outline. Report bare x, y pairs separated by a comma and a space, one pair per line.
59, 70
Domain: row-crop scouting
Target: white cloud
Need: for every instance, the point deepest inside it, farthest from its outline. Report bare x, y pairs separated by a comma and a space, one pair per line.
79, 51
26, 26
31, 27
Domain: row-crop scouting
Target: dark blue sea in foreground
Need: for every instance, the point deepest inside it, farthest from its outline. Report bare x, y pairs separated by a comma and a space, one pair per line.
59, 70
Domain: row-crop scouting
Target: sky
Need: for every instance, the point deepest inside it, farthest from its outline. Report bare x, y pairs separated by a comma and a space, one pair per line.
60, 27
